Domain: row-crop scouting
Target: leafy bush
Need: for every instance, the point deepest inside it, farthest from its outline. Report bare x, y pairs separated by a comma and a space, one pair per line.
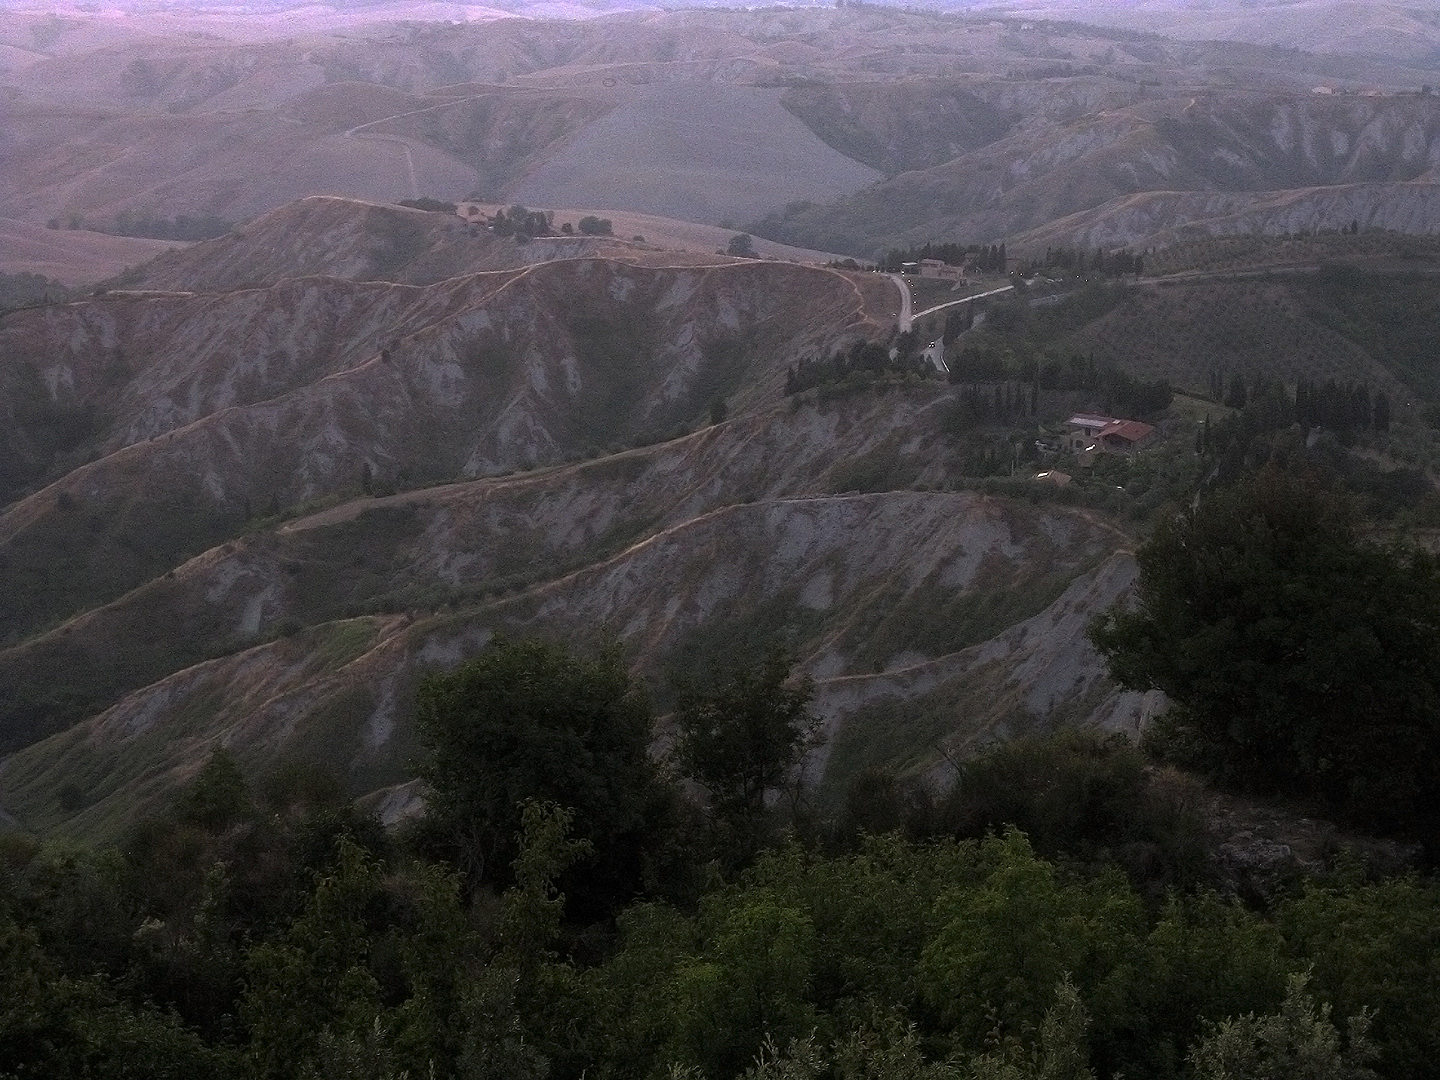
1300, 655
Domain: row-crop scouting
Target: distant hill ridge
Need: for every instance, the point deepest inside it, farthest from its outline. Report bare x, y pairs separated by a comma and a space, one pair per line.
1161, 218
1204, 143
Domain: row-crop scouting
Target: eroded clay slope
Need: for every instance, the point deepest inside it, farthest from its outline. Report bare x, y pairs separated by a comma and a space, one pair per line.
241, 403
456, 544
1203, 142
1160, 218
902, 581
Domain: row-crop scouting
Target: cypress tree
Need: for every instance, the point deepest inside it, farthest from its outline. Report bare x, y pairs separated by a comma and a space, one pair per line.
1237, 398
1381, 418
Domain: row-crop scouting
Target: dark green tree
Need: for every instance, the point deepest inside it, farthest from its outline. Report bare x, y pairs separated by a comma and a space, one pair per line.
1300, 657
528, 720
217, 796
1299, 1043
742, 740
1237, 397
741, 244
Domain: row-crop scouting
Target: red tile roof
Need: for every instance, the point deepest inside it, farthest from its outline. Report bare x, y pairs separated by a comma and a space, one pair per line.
1132, 431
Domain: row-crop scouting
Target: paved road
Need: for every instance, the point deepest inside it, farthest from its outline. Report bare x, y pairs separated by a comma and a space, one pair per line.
957, 303
905, 318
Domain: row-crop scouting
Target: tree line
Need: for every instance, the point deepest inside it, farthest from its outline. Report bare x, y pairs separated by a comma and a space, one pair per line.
570, 904
1341, 407
1104, 383
863, 361
131, 223
1299, 652
522, 223
991, 258
1077, 261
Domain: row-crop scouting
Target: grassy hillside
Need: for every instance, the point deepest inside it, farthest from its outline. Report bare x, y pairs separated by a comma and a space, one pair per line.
897, 127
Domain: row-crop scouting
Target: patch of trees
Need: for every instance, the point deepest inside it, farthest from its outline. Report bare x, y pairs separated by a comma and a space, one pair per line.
529, 721
1266, 431
522, 223
863, 362
1299, 654
590, 225
129, 223
1076, 261
270, 930
1001, 402
434, 206
991, 258
29, 290
1105, 384
1116, 389
1341, 407
741, 245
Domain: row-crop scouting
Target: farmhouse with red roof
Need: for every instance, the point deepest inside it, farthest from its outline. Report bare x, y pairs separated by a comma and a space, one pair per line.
1091, 432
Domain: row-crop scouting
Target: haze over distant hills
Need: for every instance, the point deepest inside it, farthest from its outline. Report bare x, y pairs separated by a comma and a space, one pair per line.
971, 124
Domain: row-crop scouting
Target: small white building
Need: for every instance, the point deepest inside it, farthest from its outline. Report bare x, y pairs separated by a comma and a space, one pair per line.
934, 268
1084, 429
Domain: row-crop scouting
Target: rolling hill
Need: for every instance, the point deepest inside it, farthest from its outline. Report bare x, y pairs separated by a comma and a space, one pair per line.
315, 475
252, 490
1165, 218
1207, 142
667, 113
178, 545
72, 256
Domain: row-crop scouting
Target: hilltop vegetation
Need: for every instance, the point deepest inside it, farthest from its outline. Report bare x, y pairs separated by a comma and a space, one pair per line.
281, 934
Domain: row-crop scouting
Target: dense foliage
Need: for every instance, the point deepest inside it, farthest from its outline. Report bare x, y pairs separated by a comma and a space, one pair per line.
530, 721
274, 932
28, 290
1078, 261
522, 223
863, 363
986, 259
1301, 656
129, 223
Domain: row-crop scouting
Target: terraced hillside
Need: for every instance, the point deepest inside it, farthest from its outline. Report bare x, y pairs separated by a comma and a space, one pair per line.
952, 573
192, 412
